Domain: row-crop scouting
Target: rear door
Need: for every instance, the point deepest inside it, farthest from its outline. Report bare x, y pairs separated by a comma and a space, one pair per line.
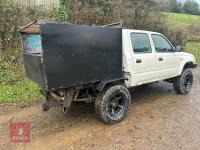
167, 60
144, 61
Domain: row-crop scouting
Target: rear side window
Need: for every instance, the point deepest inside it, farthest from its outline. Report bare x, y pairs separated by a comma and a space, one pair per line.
161, 44
140, 43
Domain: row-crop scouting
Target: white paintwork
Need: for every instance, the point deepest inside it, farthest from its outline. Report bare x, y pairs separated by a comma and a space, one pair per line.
151, 69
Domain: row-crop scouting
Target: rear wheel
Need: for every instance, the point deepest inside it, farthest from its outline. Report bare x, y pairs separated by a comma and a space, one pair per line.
112, 104
183, 83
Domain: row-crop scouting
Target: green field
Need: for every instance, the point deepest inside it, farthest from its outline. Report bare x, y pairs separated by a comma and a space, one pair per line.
183, 19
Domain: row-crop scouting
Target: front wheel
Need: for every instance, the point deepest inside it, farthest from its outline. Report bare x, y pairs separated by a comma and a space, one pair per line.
112, 104
183, 83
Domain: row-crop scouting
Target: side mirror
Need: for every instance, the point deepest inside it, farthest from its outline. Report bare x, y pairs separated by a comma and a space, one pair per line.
178, 48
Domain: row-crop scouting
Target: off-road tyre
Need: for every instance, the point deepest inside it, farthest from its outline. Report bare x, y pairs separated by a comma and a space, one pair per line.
105, 100
181, 86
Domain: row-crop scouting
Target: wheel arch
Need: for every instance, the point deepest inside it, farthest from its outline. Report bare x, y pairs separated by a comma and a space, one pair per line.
102, 84
185, 65
189, 64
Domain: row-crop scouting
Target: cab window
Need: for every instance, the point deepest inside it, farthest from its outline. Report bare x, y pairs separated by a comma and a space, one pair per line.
140, 43
161, 44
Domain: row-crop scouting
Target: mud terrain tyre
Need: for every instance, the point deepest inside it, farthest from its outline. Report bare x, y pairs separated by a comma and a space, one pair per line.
112, 104
183, 83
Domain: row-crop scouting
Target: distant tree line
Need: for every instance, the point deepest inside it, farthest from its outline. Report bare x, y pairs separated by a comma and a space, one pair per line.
188, 7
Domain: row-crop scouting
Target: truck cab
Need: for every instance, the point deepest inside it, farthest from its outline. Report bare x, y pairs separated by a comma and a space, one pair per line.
150, 56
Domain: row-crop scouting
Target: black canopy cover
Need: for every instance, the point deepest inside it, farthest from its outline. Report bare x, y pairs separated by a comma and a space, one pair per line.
76, 54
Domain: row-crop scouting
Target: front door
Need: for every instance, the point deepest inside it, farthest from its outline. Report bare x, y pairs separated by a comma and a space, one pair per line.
167, 60
143, 58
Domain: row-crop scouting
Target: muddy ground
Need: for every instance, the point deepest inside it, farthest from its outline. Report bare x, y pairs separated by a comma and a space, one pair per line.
158, 119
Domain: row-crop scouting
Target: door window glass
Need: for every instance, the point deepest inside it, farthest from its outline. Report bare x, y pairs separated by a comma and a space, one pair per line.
140, 43
161, 44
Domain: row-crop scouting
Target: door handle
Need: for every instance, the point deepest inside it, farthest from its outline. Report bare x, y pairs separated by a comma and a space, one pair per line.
138, 60
160, 58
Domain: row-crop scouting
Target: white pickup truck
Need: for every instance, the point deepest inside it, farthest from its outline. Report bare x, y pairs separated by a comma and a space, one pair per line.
100, 64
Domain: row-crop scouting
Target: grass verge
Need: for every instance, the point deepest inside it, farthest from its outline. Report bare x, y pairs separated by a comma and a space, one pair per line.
22, 91
194, 48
